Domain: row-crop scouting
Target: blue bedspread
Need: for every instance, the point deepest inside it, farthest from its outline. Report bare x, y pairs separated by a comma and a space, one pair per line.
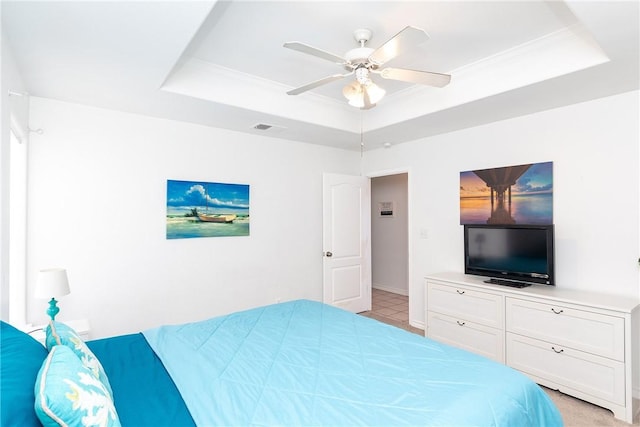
306, 363
143, 392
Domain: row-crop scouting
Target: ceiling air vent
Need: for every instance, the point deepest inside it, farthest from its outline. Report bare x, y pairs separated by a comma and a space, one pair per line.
272, 129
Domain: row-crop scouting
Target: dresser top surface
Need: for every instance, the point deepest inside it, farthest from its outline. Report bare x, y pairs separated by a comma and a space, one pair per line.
592, 299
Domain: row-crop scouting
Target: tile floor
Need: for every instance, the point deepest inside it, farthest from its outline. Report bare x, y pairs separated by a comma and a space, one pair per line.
387, 304
391, 308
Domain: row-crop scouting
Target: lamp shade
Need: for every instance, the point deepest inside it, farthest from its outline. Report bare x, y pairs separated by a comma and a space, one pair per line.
52, 283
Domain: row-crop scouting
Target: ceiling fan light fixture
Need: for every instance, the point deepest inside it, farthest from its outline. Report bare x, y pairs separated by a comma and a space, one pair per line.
357, 102
362, 75
376, 93
354, 92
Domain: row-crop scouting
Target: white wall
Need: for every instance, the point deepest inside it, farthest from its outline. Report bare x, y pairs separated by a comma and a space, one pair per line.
18, 106
389, 236
97, 205
594, 147
596, 155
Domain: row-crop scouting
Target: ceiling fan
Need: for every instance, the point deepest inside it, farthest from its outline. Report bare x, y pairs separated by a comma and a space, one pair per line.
364, 61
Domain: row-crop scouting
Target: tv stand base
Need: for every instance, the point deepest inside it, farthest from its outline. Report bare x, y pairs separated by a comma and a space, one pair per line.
510, 283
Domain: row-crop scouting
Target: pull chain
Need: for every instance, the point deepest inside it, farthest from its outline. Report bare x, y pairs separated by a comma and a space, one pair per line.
361, 137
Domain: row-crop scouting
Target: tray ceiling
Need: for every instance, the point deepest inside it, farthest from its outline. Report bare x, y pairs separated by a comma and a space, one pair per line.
222, 63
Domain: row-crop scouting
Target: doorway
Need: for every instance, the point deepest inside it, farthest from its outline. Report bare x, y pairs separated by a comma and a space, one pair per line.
390, 233
383, 218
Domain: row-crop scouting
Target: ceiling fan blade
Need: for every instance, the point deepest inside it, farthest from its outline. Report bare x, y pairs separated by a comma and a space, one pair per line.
404, 40
414, 76
314, 51
317, 83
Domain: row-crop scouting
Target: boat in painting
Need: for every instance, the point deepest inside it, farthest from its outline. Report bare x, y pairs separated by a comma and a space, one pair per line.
219, 218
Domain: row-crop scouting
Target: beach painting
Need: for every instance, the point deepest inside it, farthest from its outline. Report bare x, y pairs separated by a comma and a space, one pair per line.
206, 209
521, 194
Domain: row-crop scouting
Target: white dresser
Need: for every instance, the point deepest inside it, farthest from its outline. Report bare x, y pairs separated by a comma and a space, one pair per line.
467, 318
577, 342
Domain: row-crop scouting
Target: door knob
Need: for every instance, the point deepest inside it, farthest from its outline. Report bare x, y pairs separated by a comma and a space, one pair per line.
329, 254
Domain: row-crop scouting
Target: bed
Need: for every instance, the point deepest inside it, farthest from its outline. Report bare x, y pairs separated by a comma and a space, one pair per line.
295, 363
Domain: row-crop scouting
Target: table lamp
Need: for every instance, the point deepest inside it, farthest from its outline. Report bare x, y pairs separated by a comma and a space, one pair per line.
52, 283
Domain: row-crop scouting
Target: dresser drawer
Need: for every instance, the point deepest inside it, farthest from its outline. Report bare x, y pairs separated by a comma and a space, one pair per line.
465, 304
596, 333
479, 339
596, 376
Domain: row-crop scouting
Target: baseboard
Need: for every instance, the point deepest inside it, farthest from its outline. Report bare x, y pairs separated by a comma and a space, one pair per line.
417, 324
635, 401
390, 289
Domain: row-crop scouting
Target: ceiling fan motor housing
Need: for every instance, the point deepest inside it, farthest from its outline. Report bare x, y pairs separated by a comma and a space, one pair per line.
359, 55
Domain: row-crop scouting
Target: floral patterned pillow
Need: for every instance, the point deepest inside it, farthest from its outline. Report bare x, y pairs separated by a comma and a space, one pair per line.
68, 394
61, 334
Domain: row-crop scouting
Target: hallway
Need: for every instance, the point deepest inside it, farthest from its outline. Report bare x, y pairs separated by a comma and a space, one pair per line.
391, 308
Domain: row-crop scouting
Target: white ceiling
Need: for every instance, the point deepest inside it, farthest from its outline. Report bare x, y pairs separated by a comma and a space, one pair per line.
222, 64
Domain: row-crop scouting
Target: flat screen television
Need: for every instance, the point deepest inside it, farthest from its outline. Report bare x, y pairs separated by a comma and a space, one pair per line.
513, 255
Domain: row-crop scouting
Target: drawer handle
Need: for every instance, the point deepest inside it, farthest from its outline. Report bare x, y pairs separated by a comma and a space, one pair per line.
557, 351
460, 323
460, 292
556, 312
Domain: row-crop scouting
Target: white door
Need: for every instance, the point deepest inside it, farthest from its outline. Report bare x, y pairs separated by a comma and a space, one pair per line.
346, 242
